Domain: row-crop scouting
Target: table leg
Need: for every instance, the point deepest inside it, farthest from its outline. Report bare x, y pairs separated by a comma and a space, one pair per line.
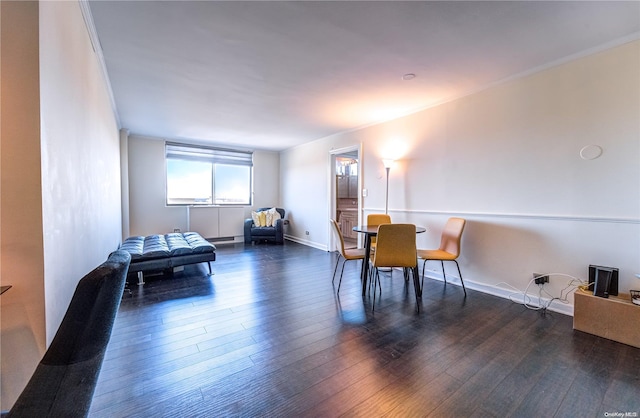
365, 263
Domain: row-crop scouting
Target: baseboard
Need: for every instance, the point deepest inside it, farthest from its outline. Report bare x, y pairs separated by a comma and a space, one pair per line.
501, 292
306, 242
226, 240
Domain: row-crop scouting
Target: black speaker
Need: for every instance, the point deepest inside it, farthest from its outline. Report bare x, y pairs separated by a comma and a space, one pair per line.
604, 280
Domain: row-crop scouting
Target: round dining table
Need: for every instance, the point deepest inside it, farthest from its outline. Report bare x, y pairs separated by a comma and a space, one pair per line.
371, 231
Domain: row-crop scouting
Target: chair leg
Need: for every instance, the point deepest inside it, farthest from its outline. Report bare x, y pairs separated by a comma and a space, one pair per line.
373, 308
414, 273
423, 266
460, 274
336, 269
377, 280
372, 277
444, 275
341, 273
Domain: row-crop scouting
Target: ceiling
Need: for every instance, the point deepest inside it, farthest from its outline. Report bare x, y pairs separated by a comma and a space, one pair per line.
272, 75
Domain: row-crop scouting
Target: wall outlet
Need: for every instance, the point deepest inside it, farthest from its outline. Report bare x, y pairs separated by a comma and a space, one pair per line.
306, 232
540, 278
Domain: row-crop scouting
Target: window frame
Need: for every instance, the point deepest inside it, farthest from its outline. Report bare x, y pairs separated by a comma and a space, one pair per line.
213, 156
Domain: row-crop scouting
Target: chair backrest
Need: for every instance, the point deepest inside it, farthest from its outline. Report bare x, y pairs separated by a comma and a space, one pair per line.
396, 246
375, 219
378, 219
338, 234
452, 235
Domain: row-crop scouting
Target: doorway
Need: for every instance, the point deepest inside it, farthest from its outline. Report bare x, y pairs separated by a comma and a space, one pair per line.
346, 176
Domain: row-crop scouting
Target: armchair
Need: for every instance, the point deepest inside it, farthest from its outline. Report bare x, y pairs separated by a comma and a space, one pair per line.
273, 233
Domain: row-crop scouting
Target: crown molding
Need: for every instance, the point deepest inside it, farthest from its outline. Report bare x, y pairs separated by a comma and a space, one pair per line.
97, 49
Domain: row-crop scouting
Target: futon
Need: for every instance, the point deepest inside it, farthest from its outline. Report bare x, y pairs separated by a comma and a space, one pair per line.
159, 252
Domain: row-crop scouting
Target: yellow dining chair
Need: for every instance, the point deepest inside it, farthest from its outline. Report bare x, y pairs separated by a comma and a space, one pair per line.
449, 248
347, 255
377, 219
396, 247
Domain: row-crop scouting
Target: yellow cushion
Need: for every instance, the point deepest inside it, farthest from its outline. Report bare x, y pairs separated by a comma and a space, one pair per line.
259, 218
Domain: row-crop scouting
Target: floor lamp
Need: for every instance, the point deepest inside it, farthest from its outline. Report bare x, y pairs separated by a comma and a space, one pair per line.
387, 166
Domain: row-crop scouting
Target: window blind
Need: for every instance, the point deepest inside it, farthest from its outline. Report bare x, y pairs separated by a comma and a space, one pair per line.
208, 154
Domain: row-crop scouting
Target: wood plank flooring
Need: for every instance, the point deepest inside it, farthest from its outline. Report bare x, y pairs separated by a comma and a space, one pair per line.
267, 336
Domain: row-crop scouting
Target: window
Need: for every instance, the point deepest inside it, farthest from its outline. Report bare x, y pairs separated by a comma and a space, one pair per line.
207, 176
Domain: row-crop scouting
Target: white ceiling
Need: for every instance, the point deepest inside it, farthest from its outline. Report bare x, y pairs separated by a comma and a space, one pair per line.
272, 75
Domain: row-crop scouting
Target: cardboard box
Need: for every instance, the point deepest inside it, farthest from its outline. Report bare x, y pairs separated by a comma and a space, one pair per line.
615, 317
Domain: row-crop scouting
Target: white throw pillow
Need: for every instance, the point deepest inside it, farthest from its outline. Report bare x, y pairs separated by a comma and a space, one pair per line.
269, 218
275, 215
256, 218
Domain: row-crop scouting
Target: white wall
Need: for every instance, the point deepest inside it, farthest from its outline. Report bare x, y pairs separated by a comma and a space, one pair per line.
266, 187
22, 316
61, 217
81, 208
507, 159
147, 209
148, 213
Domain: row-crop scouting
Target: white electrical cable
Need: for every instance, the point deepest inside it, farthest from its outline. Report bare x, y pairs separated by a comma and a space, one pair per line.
572, 285
517, 291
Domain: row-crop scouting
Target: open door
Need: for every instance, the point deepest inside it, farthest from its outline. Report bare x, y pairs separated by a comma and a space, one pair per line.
346, 196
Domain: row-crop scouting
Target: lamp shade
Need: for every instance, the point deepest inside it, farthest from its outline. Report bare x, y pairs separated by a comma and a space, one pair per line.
388, 163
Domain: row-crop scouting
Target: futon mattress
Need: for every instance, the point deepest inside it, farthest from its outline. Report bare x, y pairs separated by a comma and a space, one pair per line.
168, 245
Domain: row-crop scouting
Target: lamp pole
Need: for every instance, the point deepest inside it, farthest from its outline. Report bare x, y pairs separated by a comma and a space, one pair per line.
386, 195
387, 166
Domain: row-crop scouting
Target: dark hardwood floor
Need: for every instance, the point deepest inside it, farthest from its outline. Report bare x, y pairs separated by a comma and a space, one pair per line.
266, 335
